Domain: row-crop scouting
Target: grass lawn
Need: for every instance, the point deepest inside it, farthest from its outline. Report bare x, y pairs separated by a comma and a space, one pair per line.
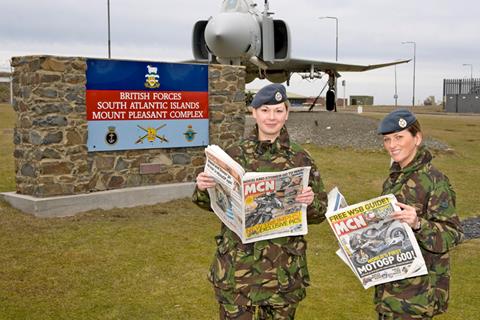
7, 171
151, 262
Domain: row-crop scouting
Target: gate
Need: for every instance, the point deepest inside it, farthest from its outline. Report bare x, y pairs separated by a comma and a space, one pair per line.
462, 95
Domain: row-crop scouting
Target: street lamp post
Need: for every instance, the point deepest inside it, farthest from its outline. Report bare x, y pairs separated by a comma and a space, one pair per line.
471, 69
414, 62
395, 96
336, 34
108, 18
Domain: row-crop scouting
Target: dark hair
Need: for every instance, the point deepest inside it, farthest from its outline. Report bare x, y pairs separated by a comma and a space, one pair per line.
415, 128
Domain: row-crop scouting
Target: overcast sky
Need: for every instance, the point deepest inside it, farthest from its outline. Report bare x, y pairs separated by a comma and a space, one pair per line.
446, 32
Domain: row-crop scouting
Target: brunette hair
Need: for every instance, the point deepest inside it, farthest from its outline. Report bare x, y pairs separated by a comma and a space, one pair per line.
415, 128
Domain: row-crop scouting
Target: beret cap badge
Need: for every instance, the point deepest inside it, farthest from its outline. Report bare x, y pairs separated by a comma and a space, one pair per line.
396, 121
278, 96
271, 94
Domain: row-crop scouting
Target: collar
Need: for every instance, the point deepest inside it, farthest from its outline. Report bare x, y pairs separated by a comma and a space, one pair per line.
281, 142
422, 158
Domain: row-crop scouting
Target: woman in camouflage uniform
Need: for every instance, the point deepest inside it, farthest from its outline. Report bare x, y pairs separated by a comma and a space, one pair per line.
265, 279
427, 204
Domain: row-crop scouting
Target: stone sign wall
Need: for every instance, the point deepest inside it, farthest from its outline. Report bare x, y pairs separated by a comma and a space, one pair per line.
50, 134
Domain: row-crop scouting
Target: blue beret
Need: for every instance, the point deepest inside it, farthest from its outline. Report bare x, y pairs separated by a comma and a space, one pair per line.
270, 94
395, 121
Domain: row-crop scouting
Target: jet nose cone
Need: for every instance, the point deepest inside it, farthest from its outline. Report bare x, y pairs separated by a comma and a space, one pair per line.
228, 34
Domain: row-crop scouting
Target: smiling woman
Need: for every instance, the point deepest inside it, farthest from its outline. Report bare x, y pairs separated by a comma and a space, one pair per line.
267, 278
427, 203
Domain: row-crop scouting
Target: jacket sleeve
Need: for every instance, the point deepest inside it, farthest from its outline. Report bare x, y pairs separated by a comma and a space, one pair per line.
316, 210
201, 199
442, 230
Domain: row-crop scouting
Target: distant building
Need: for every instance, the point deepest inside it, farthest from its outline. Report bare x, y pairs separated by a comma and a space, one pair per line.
320, 101
297, 99
341, 102
462, 95
361, 100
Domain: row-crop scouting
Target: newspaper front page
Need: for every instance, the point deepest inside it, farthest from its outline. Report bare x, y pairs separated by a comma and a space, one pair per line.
377, 248
256, 205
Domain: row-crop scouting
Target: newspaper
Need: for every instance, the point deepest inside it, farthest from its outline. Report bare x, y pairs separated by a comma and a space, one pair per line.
256, 205
377, 248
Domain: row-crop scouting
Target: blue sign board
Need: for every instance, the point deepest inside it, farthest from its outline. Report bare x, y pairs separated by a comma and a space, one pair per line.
144, 105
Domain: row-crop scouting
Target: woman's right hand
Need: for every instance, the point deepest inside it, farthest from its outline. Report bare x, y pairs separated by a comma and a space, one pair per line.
205, 181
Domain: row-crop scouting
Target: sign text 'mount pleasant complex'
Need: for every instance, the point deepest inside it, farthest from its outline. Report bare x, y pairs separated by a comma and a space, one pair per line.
141, 105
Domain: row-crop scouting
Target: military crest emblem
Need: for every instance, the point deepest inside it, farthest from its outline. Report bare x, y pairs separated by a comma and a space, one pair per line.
152, 76
402, 123
278, 96
111, 137
151, 134
190, 134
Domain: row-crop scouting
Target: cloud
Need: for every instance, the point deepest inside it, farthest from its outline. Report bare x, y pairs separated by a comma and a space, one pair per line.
370, 31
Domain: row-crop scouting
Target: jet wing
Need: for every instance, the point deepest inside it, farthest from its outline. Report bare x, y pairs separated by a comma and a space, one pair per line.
306, 66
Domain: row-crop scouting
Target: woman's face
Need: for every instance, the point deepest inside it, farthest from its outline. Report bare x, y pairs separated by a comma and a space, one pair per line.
270, 120
402, 146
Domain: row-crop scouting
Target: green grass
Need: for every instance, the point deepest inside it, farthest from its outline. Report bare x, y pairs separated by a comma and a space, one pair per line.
7, 172
151, 262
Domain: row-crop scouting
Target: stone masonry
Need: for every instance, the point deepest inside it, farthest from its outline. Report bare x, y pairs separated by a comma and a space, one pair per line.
50, 134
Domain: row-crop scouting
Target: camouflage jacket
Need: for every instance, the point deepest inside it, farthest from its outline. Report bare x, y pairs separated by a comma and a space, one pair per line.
421, 185
267, 272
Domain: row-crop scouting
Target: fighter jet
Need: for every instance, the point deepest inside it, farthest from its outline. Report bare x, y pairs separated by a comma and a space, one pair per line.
242, 35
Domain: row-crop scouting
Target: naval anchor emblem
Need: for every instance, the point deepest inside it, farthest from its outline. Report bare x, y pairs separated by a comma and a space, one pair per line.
111, 137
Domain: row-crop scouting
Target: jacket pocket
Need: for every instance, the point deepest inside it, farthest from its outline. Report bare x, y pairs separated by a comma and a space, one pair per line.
222, 268
292, 272
413, 295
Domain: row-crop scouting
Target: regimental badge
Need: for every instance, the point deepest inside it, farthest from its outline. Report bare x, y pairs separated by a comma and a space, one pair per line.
278, 96
190, 134
152, 78
111, 137
402, 123
151, 135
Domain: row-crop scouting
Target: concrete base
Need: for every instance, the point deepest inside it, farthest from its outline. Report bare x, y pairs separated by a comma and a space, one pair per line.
64, 206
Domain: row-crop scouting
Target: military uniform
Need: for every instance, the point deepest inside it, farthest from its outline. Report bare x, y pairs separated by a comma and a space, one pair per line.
268, 273
421, 185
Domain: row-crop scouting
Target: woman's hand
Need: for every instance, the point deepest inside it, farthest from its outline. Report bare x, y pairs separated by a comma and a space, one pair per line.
306, 196
408, 214
205, 181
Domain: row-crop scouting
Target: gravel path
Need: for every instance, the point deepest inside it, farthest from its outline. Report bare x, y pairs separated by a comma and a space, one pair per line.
471, 227
350, 130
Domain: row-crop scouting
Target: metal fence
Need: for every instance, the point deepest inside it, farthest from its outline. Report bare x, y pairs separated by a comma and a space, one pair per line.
462, 95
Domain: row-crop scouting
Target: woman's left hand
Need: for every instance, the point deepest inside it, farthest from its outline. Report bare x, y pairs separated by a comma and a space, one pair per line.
306, 196
408, 214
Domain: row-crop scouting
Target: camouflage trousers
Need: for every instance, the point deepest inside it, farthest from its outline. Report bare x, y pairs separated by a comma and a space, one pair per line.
268, 312
401, 316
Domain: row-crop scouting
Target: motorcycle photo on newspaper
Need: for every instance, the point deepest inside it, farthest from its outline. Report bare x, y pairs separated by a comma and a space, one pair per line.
266, 205
374, 241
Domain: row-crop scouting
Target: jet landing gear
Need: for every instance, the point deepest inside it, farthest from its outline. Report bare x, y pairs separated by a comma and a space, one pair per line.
331, 96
